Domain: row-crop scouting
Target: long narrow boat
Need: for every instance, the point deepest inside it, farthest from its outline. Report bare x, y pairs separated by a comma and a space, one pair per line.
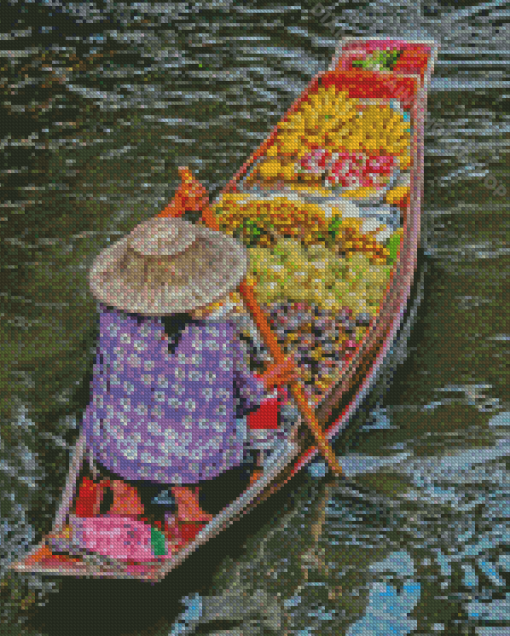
335, 192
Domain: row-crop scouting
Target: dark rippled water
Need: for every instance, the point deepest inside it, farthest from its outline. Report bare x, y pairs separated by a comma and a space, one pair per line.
99, 104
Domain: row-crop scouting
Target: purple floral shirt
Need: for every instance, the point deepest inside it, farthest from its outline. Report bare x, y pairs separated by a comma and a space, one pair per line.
168, 418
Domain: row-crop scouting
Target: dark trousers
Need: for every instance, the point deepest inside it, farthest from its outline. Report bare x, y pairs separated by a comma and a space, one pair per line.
214, 495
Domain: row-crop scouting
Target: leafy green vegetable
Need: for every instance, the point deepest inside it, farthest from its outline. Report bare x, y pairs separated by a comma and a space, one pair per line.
249, 232
394, 247
384, 59
334, 226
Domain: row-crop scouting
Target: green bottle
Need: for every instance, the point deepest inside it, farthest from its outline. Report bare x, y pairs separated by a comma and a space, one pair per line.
158, 542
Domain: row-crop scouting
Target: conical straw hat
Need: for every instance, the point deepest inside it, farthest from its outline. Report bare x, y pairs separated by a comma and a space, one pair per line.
166, 266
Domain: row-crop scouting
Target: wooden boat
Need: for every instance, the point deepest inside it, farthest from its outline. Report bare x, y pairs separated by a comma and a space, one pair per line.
371, 74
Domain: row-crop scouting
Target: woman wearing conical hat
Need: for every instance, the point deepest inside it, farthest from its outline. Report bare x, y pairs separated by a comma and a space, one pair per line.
169, 384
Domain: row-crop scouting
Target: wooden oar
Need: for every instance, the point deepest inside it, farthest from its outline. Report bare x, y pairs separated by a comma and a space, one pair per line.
192, 195
297, 392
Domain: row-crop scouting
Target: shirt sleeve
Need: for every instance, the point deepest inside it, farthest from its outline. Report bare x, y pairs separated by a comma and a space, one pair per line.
251, 391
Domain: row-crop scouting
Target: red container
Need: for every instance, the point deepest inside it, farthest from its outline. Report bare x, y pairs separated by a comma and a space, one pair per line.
188, 530
89, 495
266, 416
360, 83
413, 60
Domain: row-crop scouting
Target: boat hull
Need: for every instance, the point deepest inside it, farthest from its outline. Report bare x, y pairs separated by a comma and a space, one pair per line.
338, 405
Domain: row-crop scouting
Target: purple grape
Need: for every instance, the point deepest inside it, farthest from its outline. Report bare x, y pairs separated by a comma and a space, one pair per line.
349, 326
363, 320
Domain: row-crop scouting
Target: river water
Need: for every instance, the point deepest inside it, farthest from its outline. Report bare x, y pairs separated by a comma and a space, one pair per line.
100, 102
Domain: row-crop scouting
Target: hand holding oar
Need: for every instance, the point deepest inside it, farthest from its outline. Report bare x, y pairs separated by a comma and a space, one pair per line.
296, 390
192, 195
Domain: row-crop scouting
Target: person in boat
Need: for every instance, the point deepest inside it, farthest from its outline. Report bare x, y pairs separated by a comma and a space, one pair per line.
165, 409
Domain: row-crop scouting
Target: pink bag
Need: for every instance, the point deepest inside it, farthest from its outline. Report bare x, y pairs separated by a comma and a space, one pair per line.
121, 538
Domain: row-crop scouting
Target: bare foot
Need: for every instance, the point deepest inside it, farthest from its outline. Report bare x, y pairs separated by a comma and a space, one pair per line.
188, 507
188, 515
256, 475
126, 500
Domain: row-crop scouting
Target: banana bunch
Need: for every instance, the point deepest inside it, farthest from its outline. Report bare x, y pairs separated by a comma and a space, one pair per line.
253, 220
378, 129
325, 113
329, 121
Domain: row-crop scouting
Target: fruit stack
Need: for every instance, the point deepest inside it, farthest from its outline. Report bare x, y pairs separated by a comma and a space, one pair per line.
340, 142
313, 259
